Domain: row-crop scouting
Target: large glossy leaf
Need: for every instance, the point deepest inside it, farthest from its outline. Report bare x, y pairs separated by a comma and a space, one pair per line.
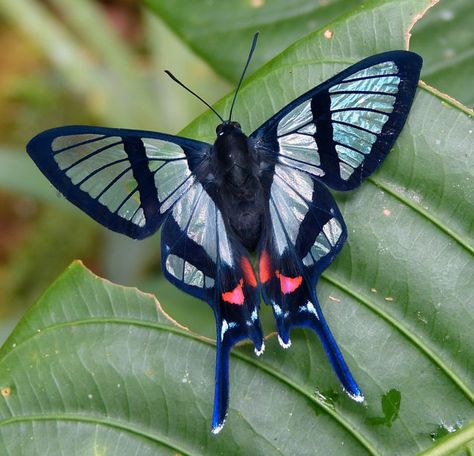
221, 31
92, 362
97, 369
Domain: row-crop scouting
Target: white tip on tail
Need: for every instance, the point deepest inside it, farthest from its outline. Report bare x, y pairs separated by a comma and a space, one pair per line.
355, 397
262, 349
285, 346
215, 430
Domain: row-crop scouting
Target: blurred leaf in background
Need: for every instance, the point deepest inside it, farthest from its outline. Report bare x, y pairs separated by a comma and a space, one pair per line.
220, 33
82, 62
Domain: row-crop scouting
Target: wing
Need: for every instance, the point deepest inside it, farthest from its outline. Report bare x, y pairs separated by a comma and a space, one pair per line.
307, 232
126, 180
342, 130
199, 257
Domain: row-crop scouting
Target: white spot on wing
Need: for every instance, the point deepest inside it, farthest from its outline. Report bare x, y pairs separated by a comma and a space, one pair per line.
175, 266
300, 181
345, 171
277, 309
311, 308
309, 129
63, 142
219, 427
299, 150
278, 233
375, 70
373, 121
139, 218
193, 276
388, 84
224, 328
254, 315
225, 251
161, 149
355, 397
308, 260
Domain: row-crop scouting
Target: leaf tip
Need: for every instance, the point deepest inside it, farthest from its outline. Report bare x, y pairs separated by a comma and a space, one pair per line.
415, 19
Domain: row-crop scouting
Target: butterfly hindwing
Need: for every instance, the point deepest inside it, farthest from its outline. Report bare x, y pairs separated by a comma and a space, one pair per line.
202, 259
342, 130
307, 232
126, 180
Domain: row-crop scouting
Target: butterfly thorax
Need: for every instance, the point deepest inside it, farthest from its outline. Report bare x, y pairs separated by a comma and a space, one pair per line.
241, 194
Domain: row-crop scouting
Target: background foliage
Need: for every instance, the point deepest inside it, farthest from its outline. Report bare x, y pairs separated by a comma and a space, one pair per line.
409, 342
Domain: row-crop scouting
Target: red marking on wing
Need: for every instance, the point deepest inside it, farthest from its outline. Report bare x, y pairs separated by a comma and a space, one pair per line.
235, 296
265, 267
288, 284
249, 275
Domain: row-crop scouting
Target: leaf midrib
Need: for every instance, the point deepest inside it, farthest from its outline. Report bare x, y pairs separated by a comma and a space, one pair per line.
423, 213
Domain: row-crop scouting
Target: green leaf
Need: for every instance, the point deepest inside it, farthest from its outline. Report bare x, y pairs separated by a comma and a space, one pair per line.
459, 443
398, 300
446, 42
221, 34
95, 368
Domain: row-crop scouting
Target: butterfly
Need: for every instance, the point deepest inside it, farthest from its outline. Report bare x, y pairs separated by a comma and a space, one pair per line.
264, 193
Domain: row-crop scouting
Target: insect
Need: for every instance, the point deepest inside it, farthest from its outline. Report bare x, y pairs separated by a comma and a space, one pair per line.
264, 193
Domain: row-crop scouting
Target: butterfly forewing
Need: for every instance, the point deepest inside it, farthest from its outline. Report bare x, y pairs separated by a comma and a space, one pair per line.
342, 130
126, 180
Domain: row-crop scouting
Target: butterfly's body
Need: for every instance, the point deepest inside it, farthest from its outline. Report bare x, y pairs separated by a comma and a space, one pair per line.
241, 196
265, 192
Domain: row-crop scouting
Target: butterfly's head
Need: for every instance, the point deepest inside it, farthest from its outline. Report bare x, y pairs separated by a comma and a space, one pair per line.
228, 127
231, 147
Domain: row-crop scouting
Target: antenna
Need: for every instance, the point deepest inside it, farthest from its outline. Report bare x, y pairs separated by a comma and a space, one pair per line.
175, 79
252, 48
